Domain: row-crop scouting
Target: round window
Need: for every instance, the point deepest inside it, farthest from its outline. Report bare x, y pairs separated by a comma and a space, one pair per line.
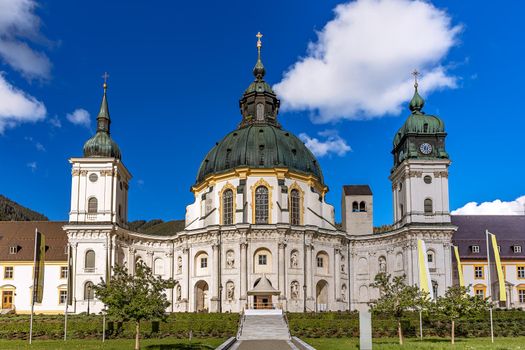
427, 179
93, 177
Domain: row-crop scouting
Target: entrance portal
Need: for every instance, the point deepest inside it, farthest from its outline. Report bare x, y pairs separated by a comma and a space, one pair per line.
262, 302
7, 299
201, 296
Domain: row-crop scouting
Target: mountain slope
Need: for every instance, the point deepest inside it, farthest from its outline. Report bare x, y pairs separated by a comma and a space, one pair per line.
12, 211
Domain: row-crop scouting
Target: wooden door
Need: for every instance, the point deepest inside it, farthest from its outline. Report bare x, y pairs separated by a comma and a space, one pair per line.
7, 299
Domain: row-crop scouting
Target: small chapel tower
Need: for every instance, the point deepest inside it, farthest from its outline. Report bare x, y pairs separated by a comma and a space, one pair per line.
99, 189
420, 173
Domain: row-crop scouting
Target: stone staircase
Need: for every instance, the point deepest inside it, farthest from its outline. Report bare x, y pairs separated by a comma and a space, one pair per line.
264, 326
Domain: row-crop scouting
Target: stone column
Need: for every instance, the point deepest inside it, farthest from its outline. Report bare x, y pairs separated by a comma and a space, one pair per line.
244, 269
282, 270
131, 260
171, 299
214, 305
337, 274
309, 272
186, 273
151, 261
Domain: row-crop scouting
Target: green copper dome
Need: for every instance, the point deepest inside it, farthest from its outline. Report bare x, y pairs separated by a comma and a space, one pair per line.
418, 122
101, 144
259, 141
259, 146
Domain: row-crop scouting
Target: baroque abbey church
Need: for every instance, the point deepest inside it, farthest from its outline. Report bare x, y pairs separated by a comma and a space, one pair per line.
259, 233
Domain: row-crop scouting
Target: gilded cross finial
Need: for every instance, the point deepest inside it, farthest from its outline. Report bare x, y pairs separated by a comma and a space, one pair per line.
259, 42
416, 74
105, 76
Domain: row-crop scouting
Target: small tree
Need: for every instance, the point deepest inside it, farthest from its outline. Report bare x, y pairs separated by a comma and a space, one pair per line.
396, 298
134, 297
456, 303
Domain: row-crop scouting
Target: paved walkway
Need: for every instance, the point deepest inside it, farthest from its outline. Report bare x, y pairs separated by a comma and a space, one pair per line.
264, 345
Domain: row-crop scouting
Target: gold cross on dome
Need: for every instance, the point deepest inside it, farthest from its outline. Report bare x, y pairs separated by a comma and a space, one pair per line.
259, 42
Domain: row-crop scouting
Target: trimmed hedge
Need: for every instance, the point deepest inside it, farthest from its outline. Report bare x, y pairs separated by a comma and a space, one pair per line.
508, 323
201, 325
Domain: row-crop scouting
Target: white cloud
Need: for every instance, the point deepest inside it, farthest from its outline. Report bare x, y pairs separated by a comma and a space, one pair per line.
332, 143
497, 207
33, 166
17, 107
55, 122
79, 117
18, 25
359, 66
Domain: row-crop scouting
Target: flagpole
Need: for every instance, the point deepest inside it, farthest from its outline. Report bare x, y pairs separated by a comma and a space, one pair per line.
34, 289
68, 291
489, 287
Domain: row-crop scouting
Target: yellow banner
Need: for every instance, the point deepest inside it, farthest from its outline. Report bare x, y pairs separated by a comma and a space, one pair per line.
460, 267
499, 269
38, 271
424, 275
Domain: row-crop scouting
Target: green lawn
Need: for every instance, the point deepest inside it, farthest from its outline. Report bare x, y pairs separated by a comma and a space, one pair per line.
413, 344
114, 344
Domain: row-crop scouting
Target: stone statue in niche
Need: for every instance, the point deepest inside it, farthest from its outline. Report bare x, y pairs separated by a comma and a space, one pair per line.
179, 264
343, 265
343, 293
179, 292
230, 260
230, 291
294, 289
382, 264
294, 260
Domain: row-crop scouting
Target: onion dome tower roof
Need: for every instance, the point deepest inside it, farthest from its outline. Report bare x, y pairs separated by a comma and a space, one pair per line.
259, 141
418, 122
101, 144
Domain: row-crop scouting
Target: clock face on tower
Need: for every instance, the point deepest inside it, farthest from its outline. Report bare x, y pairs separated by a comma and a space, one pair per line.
425, 148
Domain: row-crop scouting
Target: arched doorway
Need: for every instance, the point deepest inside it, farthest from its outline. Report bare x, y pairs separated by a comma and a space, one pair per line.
201, 296
321, 296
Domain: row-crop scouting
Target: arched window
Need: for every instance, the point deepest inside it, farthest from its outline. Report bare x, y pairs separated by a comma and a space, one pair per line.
261, 205
89, 261
89, 293
401, 210
92, 205
434, 289
260, 111
428, 206
158, 266
425, 127
362, 206
227, 207
295, 207
355, 207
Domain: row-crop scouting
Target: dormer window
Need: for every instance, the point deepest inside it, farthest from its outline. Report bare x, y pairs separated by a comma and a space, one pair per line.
13, 249
475, 248
517, 249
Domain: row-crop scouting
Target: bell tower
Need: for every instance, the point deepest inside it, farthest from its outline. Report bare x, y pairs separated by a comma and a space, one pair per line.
420, 172
99, 187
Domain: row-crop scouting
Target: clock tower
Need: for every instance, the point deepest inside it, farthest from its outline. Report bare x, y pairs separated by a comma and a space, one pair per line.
420, 173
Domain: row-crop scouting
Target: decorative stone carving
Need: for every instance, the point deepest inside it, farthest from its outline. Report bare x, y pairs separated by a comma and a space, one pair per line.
178, 292
343, 265
179, 264
294, 290
415, 173
343, 292
230, 290
382, 264
294, 259
230, 259
75, 172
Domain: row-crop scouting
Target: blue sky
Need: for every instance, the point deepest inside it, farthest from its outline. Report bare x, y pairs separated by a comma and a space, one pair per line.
178, 69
